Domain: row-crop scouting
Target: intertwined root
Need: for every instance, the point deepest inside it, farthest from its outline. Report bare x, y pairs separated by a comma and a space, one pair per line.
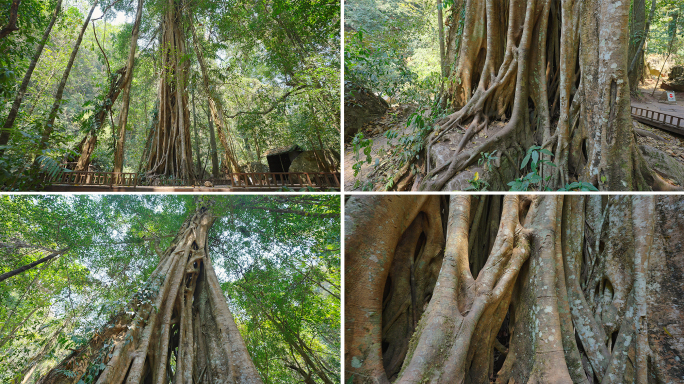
170, 151
560, 289
184, 333
518, 64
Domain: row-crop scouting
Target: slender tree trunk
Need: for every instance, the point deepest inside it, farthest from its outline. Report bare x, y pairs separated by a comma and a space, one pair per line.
98, 119
215, 168
14, 111
214, 105
194, 126
126, 97
442, 53
49, 124
516, 289
186, 321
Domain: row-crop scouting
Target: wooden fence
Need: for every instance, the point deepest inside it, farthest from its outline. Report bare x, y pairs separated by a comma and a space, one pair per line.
246, 181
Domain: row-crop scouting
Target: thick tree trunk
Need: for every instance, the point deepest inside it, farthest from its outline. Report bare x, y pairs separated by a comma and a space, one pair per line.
517, 67
126, 97
171, 151
517, 289
50, 123
182, 332
14, 111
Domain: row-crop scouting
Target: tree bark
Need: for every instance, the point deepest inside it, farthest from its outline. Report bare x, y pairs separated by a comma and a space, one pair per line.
49, 124
517, 289
6, 132
126, 97
215, 168
186, 320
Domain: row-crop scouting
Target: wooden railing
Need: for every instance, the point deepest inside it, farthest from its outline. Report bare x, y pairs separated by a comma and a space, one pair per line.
257, 180
94, 178
659, 120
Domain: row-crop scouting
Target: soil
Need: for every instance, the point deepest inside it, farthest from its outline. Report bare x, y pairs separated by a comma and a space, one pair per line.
394, 118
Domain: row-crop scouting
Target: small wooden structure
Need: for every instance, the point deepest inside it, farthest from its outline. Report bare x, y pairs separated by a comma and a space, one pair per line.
279, 159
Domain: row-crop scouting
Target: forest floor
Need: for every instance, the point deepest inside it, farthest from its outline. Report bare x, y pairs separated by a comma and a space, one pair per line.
371, 175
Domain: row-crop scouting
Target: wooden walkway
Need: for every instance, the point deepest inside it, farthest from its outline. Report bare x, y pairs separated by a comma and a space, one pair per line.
235, 182
670, 123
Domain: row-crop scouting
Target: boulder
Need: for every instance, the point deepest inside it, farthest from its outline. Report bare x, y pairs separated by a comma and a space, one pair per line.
306, 162
663, 163
255, 167
360, 106
675, 72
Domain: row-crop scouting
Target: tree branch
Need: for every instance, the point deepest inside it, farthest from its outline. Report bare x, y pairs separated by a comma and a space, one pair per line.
280, 100
26, 267
12, 24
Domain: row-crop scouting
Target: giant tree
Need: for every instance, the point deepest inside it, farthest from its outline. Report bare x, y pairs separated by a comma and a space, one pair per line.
105, 298
551, 73
515, 289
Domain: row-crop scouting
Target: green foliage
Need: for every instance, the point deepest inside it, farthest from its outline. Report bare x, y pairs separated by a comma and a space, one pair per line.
532, 178
486, 160
361, 145
274, 68
477, 184
581, 186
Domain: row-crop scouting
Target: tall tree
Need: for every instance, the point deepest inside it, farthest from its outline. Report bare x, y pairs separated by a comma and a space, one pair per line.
186, 322
126, 97
6, 131
524, 289
171, 152
49, 126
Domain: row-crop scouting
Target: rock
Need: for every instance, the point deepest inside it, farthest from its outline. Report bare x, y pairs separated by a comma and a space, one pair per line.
360, 106
675, 72
306, 162
254, 167
663, 163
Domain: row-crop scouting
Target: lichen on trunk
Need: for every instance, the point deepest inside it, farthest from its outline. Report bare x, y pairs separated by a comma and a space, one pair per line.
523, 289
